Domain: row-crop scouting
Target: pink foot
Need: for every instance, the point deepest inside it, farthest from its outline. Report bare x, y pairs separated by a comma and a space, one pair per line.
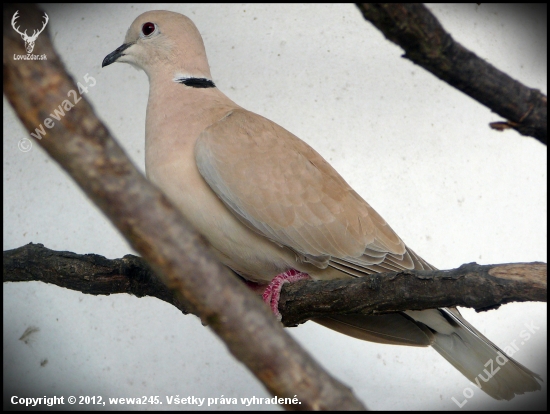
272, 293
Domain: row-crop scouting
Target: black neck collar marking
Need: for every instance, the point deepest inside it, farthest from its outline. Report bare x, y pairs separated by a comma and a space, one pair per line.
196, 82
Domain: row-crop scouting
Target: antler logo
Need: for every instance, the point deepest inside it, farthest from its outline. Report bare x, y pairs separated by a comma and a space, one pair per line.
29, 40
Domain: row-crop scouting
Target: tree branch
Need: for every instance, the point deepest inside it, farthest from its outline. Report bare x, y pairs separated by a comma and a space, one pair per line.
426, 43
81, 144
471, 285
91, 274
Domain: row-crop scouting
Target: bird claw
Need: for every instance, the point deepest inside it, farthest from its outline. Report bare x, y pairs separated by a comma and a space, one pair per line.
272, 293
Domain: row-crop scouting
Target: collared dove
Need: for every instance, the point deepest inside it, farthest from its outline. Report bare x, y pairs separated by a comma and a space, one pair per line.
274, 210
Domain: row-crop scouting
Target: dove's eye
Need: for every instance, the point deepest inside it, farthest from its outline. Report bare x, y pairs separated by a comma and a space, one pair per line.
148, 29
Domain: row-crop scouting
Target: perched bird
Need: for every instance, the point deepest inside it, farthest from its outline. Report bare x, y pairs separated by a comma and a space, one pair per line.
273, 209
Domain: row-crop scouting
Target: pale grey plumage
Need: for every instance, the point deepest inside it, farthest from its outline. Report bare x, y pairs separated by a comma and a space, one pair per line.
268, 202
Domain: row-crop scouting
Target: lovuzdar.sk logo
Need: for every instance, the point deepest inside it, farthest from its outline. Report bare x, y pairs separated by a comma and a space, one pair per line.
29, 40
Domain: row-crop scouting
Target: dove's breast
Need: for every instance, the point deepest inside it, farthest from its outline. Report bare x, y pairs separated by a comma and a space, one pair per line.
170, 164
238, 247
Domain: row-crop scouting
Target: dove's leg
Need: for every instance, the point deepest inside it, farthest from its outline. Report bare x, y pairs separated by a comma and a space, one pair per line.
272, 293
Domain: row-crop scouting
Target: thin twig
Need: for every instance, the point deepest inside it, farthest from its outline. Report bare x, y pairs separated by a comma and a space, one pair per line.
426, 43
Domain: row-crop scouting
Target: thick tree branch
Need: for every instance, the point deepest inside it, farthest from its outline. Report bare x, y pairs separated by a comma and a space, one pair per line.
81, 144
471, 285
426, 43
87, 273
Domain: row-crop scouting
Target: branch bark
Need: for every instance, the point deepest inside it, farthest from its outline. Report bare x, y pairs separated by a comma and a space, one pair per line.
471, 285
426, 43
82, 145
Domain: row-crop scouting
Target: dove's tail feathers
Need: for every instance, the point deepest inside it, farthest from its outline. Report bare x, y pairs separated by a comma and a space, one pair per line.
476, 357
391, 328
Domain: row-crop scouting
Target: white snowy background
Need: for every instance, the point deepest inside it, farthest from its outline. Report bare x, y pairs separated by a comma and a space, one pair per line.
420, 152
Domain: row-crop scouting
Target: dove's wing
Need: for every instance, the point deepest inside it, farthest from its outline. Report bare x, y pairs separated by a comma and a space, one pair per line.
283, 189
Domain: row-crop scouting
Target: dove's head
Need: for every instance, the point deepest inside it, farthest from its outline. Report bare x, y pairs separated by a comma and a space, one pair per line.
163, 43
